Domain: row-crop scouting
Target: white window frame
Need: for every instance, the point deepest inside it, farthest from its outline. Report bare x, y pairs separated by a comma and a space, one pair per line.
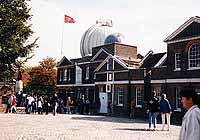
109, 76
69, 74
177, 61
138, 97
195, 59
87, 71
108, 64
108, 87
120, 95
178, 99
65, 75
60, 79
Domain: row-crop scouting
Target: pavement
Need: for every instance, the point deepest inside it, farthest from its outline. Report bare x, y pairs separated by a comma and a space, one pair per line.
79, 127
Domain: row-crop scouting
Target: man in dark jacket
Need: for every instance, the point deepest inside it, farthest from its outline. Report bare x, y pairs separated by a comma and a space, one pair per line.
152, 109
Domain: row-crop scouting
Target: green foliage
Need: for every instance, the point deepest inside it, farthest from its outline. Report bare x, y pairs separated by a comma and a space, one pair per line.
14, 34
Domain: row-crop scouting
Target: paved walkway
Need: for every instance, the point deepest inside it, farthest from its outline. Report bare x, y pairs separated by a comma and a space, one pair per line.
78, 127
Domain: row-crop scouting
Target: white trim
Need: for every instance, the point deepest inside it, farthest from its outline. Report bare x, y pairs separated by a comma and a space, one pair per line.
101, 65
158, 81
194, 68
103, 72
60, 62
115, 59
181, 40
160, 62
144, 58
111, 82
67, 66
191, 68
65, 75
97, 54
177, 69
120, 62
81, 63
108, 88
78, 85
137, 82
136, 96
184, 80
182, 27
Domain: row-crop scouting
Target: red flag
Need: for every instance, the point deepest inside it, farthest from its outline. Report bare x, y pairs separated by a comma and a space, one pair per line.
68, 19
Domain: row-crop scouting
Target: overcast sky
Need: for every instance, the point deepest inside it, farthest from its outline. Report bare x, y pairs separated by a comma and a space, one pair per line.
144, 23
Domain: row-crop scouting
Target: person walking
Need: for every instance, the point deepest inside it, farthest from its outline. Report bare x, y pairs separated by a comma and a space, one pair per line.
14, 103
39, 105
54, 102
152, 109
190, 129
132, 106
165, 109
68, 105
8, 107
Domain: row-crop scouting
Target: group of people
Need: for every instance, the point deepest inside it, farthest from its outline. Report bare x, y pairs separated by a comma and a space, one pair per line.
190, 129
11, 103
55, 104
154, 105
40, 104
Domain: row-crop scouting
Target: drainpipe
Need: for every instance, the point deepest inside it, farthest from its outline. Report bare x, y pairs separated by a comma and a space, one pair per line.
129, 92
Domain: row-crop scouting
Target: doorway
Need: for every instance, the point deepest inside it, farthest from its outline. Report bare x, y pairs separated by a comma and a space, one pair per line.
104, 102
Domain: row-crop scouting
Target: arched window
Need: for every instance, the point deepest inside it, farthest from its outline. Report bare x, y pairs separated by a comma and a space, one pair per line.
194, 56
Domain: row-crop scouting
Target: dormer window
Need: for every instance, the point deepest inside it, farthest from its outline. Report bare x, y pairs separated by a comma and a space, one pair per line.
87, 72
194, 57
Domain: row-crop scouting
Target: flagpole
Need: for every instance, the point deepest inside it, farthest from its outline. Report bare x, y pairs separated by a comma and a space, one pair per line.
67, 19
61, 52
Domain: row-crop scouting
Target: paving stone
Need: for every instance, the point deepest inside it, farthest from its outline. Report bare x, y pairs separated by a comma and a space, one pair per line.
79, 127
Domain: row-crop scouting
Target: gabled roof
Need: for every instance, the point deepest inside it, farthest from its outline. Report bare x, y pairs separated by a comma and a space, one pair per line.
153, 60
81, 60
64, 61
98, 53
115, 59
182, 27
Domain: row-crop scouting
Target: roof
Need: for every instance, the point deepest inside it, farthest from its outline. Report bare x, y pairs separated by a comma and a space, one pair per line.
64, 61
95, 36
182, 27
152, 60
81, 60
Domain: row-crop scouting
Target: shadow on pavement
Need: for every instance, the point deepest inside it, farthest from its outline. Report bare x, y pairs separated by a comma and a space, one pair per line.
137, 129
108, 119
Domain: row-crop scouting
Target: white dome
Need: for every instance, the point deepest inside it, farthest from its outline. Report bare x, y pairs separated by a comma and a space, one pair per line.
95, 36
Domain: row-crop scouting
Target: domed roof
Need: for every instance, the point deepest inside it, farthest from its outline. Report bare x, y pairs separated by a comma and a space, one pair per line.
95, 36
116, 37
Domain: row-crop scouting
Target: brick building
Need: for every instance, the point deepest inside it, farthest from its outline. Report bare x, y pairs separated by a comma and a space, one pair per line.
116, 73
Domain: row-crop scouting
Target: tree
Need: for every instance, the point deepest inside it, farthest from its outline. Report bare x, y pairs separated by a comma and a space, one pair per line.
15, 48
42, 78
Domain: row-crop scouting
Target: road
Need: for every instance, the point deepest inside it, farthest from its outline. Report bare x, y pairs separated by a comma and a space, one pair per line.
79, 127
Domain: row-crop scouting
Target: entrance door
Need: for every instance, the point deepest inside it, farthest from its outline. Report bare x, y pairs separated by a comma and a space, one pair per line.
104, 102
